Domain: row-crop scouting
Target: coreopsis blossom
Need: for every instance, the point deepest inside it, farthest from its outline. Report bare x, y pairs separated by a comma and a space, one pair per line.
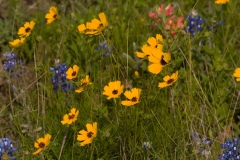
42, 143
168, 80
237, 74
84, 83
26, 30
221, 1
154, 43
87, 136
113, 90
70, 117
52, 15
132, 96
17, 42
95, 27
159, 60
72, 72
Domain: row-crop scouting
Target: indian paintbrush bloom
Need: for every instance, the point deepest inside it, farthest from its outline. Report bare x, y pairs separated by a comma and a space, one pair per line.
113, 90
70, 117
159, 60
72, 72
168, 80
132, 96
17, 42
87, 136
221, 1
52, 15
42, 143
6, 149
26, 30
237, 74
84, 83
95, 27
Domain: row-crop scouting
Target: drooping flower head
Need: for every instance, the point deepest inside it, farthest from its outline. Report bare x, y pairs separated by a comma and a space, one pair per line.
113, 90
26, 30
168, 80
6, 148
159, 60
52, 15
95, 27
194, 22
237, 74
42, 143
221, 1
17, 42
72, 72
87, 136
70, 117
132, 96
84, 83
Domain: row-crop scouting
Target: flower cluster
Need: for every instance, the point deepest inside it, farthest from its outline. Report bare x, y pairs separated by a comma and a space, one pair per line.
202, 144
172, 22
6, 148
11, 62
104, 46
95, 27
194, 23
59, 79
231, 149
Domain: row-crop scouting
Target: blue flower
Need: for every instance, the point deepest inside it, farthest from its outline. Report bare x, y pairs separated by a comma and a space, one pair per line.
230, 150
194, 22
202, 143
59, 80
103, 46
10, 63
6, 147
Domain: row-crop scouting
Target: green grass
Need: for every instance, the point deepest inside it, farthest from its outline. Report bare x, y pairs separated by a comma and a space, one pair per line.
203, 100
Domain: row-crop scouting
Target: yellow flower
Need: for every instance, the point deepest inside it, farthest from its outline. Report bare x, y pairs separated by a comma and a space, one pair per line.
159, 60
26, 30
72, 72
221, 1
87, 136
133, 97
52, 15
71, 117
41, 143
237, 74
155, 43
84, 83
17, 42
95, 27
136, 74
113, 90
169, 80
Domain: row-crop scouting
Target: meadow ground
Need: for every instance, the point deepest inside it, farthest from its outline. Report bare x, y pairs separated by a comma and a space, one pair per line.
123, 79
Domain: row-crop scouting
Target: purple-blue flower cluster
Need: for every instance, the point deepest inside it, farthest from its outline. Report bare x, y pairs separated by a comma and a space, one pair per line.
59, 79
231, 150
202, 143
104, 46
194, 22
10, 63
6, 148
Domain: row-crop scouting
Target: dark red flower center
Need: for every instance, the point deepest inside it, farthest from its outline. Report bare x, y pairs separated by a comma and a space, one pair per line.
84, 84
74, 73
89, 134
170, 81
71, 116
162, 61
134, 99
115, 91
54, 16
41, 145
27, 30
